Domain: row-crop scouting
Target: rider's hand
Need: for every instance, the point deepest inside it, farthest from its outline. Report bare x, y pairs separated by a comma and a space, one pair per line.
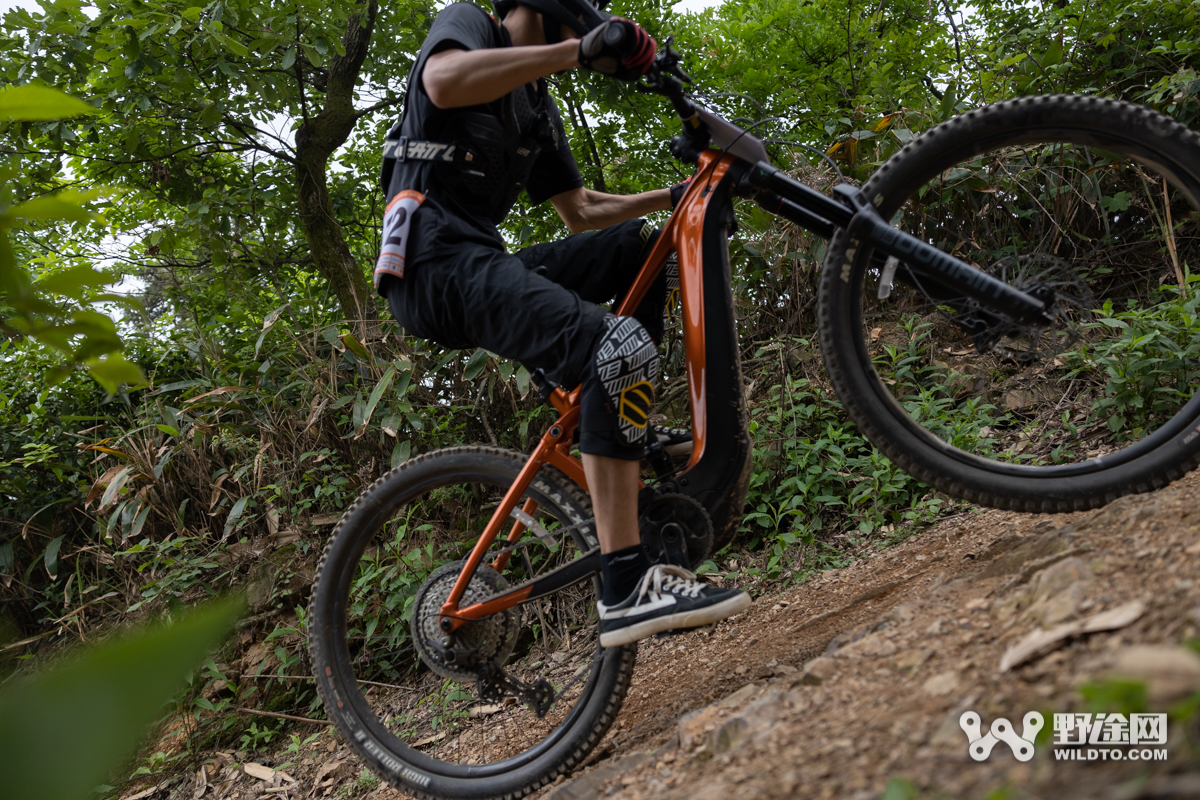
678, 191
618, 48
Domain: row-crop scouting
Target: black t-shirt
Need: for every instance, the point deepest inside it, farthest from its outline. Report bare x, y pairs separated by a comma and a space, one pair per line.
442, 222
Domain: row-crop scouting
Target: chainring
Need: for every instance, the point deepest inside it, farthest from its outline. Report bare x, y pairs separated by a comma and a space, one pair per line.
655, 513
490, 639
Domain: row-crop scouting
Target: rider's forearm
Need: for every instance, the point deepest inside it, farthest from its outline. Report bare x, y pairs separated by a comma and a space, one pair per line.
456, 78
584, 209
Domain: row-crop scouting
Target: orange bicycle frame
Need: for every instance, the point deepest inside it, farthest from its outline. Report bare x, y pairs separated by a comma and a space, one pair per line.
689, 232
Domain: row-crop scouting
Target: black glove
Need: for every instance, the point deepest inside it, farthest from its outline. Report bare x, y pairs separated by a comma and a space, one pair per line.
618, 48
678, 191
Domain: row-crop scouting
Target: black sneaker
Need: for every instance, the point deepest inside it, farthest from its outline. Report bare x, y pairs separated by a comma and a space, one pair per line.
676, 441
667, 598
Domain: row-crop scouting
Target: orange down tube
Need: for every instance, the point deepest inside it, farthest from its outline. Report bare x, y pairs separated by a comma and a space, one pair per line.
684, 234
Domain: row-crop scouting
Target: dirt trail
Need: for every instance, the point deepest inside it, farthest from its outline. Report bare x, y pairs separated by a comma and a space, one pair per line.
853, 684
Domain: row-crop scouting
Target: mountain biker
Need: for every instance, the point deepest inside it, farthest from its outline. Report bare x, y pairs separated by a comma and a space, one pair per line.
478, 127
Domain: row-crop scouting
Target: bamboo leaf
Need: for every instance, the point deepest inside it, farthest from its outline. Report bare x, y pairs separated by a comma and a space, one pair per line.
267, 323
235, 514
50, 557
475, 364
114, 488
139, 521
400, 453
355, 346
377, 393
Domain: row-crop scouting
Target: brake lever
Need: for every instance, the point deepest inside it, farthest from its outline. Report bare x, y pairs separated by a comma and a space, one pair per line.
669, 60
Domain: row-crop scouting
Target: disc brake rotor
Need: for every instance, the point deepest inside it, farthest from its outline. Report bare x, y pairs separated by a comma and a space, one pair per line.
1071, 303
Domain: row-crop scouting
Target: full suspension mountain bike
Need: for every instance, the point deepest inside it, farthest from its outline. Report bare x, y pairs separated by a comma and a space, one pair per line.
1004, 311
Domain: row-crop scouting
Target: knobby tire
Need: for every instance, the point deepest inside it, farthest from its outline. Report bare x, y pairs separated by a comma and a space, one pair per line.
1065, 191
411, 520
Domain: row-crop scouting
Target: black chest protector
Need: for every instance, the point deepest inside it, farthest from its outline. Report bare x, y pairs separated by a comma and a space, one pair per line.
482, 159
503, 148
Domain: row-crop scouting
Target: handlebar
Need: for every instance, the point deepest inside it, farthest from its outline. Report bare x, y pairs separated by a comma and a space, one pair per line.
701, 127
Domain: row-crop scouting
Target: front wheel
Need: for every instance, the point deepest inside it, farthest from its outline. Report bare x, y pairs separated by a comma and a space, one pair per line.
1094, 203
417, 721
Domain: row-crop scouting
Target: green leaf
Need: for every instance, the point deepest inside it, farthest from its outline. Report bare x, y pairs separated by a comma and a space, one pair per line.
34, 103
1053, 54
289, 58
113, 370
400, 453
168, 429
949, 101
236, 47
50, 557
235, 514
899, 789
377, 393
98, 704
522, 380
50, 207
211, 115
475, 364
355, 346
177, 385
267, 323
71, 282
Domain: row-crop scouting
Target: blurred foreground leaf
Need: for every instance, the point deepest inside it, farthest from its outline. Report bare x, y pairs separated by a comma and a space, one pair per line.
35, 103
113, 370
64, 731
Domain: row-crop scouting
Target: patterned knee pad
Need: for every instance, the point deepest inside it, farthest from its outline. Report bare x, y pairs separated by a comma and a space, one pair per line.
627, 364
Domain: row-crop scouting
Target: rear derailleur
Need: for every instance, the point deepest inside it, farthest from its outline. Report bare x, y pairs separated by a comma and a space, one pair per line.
494, 683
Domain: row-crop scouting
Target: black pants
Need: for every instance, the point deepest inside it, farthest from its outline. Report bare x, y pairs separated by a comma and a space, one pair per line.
537, 307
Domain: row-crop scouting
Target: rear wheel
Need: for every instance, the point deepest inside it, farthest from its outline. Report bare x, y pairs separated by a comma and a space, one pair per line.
1094, 202
417, 721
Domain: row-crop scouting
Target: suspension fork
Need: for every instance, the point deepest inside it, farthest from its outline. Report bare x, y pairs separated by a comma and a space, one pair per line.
861, 220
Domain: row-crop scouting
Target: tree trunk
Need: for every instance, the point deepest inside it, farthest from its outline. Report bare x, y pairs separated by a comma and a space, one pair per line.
317, 138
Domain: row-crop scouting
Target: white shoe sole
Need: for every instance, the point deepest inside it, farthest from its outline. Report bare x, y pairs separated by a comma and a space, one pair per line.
670, 622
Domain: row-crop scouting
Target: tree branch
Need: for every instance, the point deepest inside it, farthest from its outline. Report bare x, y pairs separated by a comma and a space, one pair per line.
382, 104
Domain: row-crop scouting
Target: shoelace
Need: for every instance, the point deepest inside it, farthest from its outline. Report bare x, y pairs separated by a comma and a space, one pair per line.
669, 578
